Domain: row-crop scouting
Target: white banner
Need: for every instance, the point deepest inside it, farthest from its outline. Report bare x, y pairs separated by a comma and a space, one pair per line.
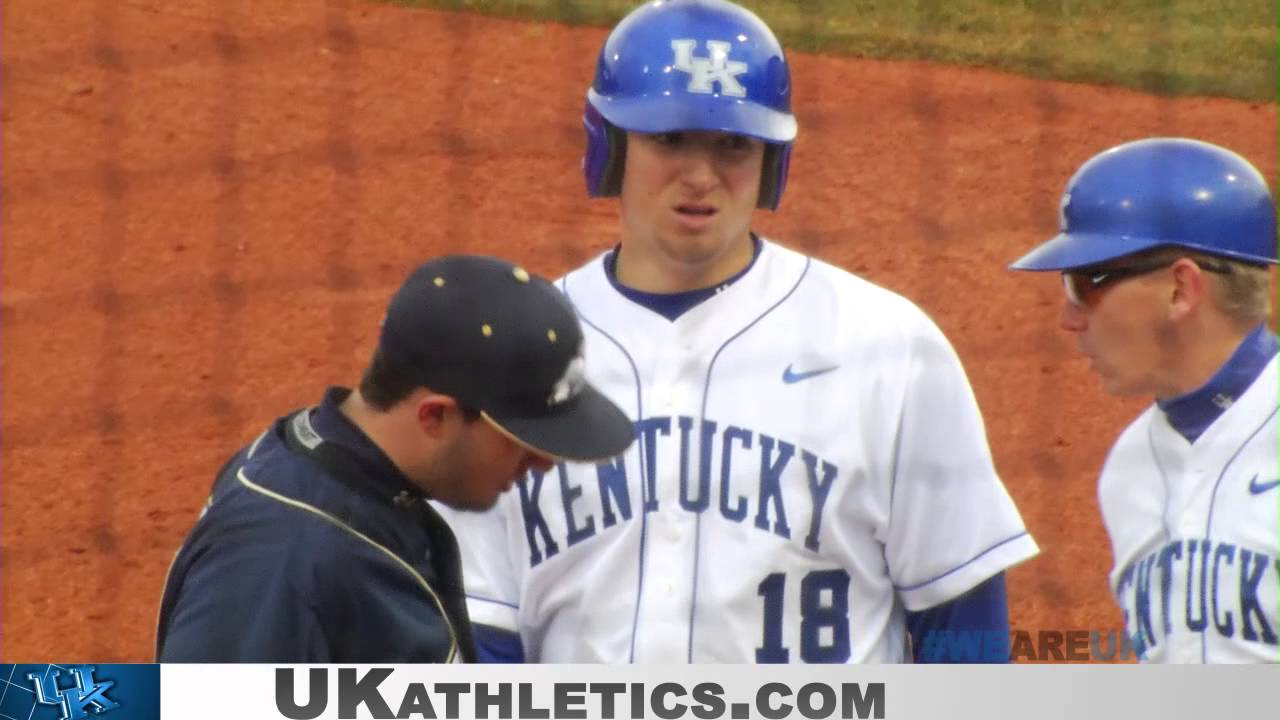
712, 692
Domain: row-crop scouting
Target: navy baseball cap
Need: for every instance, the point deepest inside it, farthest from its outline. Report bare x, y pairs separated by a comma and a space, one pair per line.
507, 343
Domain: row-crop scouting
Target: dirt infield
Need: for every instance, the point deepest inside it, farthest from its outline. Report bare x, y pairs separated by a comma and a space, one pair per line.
205, 209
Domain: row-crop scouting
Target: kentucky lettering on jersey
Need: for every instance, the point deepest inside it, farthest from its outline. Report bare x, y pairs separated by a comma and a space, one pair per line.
802, 435
760, 504
1220, 591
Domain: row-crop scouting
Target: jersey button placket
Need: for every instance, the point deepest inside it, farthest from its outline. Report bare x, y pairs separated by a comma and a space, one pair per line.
667, 399
664, 607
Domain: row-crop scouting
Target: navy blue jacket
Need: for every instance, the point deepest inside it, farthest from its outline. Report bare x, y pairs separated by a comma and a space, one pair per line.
315, 548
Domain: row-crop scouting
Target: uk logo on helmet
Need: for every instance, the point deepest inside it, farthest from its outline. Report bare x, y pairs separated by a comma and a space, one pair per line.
716, 68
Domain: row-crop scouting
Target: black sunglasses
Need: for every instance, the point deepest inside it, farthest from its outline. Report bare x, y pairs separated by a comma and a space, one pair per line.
1084, 285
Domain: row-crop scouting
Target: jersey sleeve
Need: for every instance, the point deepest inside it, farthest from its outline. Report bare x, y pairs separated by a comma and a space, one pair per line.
952, 523
490, 578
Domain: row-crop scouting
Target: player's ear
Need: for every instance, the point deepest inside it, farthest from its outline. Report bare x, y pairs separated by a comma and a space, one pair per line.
435, 411
1189, 288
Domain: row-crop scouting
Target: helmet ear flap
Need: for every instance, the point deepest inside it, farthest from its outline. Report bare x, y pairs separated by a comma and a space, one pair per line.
605, 155
611, 183
773, 175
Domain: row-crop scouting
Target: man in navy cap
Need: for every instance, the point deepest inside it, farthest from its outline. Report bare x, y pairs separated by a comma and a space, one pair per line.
318, 545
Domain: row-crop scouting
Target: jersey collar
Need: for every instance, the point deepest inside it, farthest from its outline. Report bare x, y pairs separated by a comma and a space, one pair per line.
385, 479
1191, 414
673, 305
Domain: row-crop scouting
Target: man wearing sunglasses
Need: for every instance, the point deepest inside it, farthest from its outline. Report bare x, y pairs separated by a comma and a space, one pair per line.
1165, 251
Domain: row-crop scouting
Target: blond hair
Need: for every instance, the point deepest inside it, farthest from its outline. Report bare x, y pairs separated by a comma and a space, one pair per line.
1243, 293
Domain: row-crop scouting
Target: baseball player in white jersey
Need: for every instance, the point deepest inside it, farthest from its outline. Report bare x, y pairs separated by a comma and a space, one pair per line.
1165, 251
811, 480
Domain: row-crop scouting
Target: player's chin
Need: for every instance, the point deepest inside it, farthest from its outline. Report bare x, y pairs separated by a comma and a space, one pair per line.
693, 239
695, 247
479, 497
478, 504
1117, 385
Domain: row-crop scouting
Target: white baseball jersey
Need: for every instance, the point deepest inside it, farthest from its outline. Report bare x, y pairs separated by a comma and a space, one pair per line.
810, 463
1195, 531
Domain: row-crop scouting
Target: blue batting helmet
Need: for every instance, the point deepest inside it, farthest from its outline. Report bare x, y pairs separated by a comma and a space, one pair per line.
1161, 192
675, 65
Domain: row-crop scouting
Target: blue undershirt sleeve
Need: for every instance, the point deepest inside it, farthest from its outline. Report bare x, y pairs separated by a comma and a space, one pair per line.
494, 645
973, 628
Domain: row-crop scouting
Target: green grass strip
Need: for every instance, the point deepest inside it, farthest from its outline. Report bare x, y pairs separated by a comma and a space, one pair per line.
1168, 47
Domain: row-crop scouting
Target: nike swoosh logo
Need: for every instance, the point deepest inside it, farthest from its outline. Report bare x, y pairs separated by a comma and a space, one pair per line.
789, 376
1258, 488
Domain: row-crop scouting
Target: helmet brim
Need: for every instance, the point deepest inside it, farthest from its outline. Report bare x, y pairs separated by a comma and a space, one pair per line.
1072, 251
1069, 251
647, 114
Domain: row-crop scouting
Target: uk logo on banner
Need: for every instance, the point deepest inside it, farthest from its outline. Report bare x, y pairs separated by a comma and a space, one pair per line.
79, 692
77, 701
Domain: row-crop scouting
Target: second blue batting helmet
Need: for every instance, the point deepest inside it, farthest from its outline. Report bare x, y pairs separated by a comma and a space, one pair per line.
1161, 192
676, 65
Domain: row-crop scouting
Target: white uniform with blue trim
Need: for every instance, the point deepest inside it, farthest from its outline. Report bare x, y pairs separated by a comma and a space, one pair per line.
811, 464
1195, 529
